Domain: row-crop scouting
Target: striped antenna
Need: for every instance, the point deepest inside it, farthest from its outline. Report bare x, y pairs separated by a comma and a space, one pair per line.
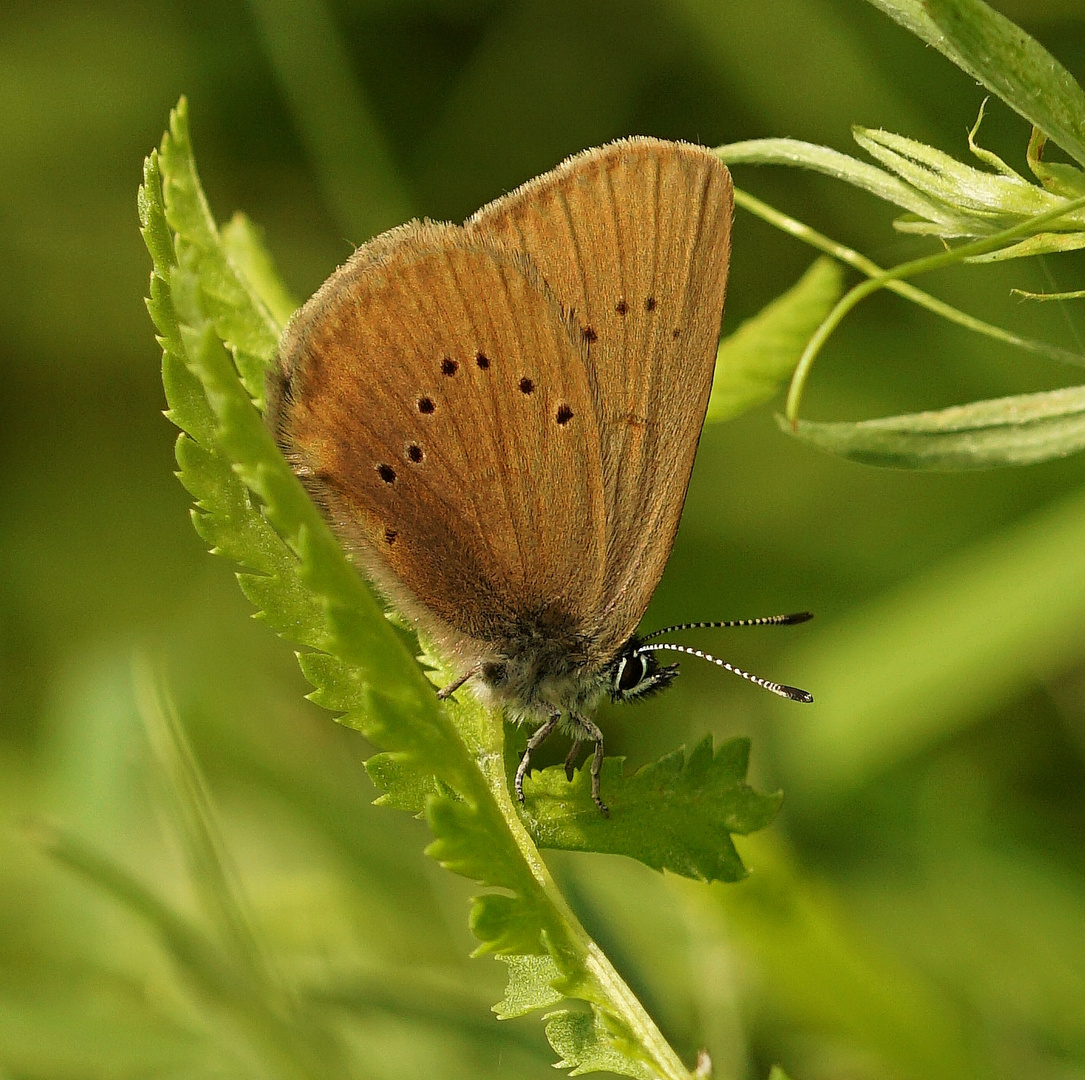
793, 693
767, 620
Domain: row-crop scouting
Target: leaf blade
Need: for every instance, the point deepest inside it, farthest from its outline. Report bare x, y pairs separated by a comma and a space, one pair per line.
1009, 62
1020, 430
754, 362
675, 814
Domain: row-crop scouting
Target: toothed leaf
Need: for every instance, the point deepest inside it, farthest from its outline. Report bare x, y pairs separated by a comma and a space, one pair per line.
675, 814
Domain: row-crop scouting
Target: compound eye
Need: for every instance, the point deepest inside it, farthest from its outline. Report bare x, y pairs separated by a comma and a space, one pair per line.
631, 673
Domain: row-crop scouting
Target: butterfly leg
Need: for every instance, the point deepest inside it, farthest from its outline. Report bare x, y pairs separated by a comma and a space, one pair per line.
533, 744
596, 736
570, 759
448, 691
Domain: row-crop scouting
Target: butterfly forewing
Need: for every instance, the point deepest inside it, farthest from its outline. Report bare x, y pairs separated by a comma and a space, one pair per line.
634, 240
469, 481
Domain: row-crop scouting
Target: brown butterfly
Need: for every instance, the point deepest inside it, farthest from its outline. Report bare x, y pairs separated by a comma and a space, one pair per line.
500, 421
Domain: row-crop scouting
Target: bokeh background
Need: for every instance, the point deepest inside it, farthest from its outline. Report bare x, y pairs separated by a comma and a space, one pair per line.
918, 909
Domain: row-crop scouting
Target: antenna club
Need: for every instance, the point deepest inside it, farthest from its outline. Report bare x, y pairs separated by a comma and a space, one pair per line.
792, 693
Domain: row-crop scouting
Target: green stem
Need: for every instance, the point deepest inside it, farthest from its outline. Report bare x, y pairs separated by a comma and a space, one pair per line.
905, 270
866, 266
566, 930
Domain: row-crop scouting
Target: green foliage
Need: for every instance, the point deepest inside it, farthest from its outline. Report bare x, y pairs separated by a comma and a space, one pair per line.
934, 793
1017, 430
759, 357
999, 54
669, 815
1006, 216
211, 299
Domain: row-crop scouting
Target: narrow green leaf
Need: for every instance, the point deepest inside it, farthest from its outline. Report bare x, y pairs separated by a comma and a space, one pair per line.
187, 943
1019, 430
352, 158
988, 157
1062, 179
759, 357
1077, 294
993, 197
191, 812
1040, 244
998, 53
676, 814
860, 174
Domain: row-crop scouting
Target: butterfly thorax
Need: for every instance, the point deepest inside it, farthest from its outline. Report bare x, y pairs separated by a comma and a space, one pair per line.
543, 664
545, 667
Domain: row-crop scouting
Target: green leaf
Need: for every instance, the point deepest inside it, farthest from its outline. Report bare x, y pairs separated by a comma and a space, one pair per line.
402, 787
1077, 294
676, 814
1065, 180
992, 200
241, 317
586, 1046
244, 242
250, 507
998, 53
1019, 430
860, 174
759, 357
1041, 244
530, 988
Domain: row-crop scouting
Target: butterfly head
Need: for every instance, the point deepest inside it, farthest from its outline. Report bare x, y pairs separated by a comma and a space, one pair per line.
635, 674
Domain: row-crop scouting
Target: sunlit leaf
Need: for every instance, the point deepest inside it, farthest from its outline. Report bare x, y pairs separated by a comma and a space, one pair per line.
822, 159
942, 177
676, 814
1047, 243
1018, 430
1005, 59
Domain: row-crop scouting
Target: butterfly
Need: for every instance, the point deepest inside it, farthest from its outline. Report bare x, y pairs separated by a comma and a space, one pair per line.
500, 420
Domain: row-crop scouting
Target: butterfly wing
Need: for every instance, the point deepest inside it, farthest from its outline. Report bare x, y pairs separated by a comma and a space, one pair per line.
634, 239
434, 399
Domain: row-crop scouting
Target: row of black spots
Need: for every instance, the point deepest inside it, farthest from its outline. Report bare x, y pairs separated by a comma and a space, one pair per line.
413, 453
563, 415
622, 308
425, 404
449, 367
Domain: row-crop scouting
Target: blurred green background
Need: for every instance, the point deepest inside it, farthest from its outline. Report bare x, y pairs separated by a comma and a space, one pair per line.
918, 910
